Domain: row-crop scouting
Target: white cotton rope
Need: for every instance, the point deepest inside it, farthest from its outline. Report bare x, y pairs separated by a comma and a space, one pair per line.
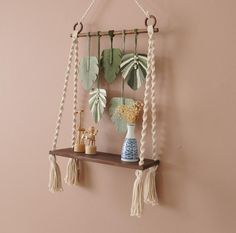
72, 170
55, 184
137, 197
76, 55
87, 11
145, 107
153, 95
150, 193
142, 9
146, 13
147, 189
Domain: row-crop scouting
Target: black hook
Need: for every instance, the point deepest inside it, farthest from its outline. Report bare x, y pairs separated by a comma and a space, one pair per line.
81, 28
151, 17
111, 34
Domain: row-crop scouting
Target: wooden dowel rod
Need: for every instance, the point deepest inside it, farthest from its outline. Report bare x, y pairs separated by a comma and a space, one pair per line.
127, 32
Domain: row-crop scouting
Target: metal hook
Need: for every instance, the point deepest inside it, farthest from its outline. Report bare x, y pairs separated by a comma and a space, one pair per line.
81, 28
99, 34
151, 17
111, 34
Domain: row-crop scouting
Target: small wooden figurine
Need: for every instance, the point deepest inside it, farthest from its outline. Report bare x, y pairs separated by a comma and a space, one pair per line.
79, 143
89, 136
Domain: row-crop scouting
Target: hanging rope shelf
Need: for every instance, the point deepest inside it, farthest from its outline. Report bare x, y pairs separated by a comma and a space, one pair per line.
143, 187
104, 158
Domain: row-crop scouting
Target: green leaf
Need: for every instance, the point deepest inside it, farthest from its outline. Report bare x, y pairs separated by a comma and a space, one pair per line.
134, 69
97, 103
111, 59
120, 123
88, 71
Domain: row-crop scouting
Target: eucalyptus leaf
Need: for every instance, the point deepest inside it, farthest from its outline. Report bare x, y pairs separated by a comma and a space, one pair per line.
88, 71
111, 60
120, 123
134, 69
97, 103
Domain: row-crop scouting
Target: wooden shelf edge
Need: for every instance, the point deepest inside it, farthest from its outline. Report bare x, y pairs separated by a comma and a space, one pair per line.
104, 158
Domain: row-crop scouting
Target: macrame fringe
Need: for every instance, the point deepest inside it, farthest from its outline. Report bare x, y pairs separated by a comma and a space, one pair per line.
72, 172
55, 184
150, 192
137, 198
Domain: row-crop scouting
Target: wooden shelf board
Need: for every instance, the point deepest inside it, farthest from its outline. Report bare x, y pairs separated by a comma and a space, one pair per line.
104, 158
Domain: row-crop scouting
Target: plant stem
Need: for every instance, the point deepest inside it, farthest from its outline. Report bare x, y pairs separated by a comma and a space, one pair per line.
111, 34
122, 79
89, 51
98, 78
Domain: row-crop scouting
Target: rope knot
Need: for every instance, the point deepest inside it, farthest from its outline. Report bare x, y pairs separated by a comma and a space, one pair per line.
74, 35
138, 174
153, 169
52, 158
150, 30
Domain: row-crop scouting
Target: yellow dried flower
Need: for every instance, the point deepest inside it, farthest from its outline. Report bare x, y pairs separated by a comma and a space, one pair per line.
130, 113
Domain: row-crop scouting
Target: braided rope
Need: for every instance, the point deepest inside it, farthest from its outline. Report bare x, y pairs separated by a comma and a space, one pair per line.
146, 13
153, 95
54, 184
61, 108
145, 107
150, 193
72, 170
142, 9
87, 11
75, 92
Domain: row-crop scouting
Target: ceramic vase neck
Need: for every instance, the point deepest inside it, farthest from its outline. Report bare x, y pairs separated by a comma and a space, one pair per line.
130, 131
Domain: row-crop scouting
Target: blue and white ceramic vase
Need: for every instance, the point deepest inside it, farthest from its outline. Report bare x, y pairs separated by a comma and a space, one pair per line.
130, 147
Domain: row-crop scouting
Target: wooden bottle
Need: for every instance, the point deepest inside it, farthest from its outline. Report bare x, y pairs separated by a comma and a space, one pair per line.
79, 143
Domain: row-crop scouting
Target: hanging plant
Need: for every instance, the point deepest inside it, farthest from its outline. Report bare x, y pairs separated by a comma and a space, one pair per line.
88, 69
111, 60
97, 98
119, 122
88, 72
134, 67
97, 103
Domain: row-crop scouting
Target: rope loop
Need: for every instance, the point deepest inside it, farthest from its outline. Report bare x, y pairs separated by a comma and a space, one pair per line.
77, 32
151, 17
146, 13
52, 158
138, 174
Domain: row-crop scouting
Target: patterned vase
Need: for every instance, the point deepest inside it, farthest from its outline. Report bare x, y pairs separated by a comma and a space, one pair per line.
130, 147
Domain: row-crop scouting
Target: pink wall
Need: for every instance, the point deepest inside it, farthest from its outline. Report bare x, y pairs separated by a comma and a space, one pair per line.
196, 65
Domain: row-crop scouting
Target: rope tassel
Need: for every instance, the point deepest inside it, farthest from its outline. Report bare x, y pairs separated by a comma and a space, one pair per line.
137, 198
54, 184
150, 193
72, 172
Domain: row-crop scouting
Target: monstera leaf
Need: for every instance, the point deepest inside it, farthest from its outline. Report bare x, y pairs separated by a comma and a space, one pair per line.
120, 124
134, 69
88, 71
97, 103
111, 59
